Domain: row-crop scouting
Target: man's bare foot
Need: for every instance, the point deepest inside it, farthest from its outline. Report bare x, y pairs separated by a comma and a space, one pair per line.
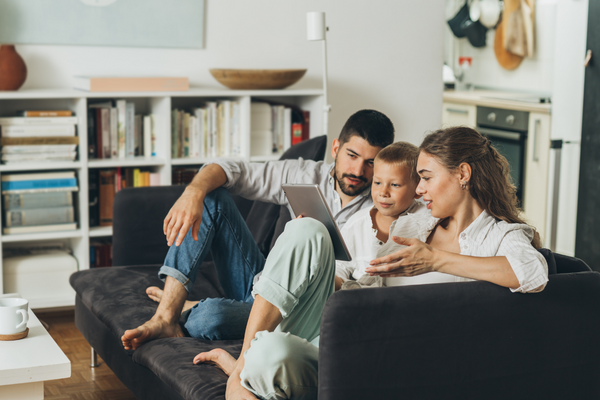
218, 357
156, 294
153, 329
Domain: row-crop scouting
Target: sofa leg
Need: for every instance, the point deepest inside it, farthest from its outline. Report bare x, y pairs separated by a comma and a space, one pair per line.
94, 360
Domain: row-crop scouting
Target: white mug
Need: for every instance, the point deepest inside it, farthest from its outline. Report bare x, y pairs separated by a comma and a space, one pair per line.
13, 315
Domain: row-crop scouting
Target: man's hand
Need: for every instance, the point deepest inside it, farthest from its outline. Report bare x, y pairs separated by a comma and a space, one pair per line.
186, 213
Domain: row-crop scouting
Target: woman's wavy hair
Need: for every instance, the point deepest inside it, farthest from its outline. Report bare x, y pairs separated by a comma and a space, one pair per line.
490, 185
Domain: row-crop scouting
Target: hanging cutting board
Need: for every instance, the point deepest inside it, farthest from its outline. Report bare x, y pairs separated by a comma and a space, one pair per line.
505, 59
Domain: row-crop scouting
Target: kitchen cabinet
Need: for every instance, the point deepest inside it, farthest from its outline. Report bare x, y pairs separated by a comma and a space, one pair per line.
455, 114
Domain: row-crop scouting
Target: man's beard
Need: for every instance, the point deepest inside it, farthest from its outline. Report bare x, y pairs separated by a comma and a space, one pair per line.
349, 190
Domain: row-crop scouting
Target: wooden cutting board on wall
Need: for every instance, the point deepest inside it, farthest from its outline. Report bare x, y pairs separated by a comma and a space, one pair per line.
506, 59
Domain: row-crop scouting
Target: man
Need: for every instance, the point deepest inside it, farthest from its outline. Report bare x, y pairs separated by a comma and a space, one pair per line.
205, 219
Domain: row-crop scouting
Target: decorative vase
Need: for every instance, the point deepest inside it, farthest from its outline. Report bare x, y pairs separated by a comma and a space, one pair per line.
13, 70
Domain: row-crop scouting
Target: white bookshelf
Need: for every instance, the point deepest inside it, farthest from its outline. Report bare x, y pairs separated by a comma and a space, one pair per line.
158, 104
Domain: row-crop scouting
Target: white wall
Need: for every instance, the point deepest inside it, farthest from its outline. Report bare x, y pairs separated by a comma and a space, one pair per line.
383, 54
535, 74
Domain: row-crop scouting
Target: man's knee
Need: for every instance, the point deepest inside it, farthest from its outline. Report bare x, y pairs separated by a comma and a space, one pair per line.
218, 319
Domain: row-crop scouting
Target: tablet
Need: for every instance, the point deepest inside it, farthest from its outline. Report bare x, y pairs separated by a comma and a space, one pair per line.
308, 201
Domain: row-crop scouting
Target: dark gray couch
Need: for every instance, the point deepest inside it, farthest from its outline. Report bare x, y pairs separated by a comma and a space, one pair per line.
448, 341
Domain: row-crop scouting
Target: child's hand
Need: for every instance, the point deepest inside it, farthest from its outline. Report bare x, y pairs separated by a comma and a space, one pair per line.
416, 259
299, 216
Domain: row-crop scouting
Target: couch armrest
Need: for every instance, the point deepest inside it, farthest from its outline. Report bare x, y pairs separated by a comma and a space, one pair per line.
471, 340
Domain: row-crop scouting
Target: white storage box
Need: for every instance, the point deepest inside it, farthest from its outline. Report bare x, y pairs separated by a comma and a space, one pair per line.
40, 278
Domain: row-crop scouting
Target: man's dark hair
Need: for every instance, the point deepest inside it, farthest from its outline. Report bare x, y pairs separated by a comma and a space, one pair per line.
371, 125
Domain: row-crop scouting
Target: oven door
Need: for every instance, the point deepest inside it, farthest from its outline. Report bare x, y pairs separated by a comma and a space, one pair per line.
512, 146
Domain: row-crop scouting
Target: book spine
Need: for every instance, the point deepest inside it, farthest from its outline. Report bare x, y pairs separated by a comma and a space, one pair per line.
91, 120
99, 127
16, 131
122, 123
186, 135
153, 134
57, 113
130, 131
106, 132
114, 133
296, 133
64, 156
107, 195
287, 128
38, 121
37, 200
139, 136
306, 125
193, 136
39, 184
180, 134
25, 141
94, 197
147, 136
136, 178
40, 216
19, 149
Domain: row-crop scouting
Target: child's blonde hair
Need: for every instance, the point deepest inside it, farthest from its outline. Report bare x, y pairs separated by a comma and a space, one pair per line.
401, 154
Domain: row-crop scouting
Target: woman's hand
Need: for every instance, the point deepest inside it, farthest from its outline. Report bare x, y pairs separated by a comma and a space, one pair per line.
416, 259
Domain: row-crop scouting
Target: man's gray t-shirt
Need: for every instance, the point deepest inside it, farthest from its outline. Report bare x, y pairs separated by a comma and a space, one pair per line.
262, 182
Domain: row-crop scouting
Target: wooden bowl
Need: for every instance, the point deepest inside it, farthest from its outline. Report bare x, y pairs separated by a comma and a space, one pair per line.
257, 78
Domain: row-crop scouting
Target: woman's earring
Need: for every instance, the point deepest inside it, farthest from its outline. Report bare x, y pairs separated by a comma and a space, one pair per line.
463, 185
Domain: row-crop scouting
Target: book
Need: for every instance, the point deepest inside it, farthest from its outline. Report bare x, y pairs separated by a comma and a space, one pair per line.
37, 130
18, 149
38, 121
40, 216
114, 133
130, 130
98, 133
39, 228
94, 200
211, 135
296, 133
107, 196
148, 136
236, 133
122, 123
200, 132
49, 113
287, 129
131, 84
38, 184
31, 141
37, 200
23, 157
105, 128
154, 179
138, 136
37, 176
185, 149
91, 127
153, 134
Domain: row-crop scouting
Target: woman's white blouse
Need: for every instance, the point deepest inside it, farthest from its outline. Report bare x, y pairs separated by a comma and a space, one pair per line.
485, 237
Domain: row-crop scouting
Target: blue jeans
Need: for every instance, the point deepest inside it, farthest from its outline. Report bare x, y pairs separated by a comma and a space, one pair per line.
237, 260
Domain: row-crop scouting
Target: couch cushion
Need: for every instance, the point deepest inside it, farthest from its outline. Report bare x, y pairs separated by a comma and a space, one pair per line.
171, 360
121, 305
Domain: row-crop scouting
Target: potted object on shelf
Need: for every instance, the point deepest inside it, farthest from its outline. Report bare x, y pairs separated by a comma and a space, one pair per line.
13, 70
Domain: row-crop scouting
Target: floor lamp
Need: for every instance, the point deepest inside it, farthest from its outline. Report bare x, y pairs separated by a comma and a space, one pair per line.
317, 30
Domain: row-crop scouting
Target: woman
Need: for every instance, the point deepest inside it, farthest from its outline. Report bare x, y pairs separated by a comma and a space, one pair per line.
476, 232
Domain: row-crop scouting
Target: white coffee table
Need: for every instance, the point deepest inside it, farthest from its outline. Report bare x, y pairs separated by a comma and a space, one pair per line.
26, 363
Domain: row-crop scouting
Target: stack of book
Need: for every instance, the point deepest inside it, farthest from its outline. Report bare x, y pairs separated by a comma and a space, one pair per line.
100, 253
182, 175
115, 131
210, 131
275, 128
39, 202
39, 136
105, 183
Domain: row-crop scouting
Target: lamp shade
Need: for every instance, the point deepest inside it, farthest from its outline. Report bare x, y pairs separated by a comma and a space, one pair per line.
315, 25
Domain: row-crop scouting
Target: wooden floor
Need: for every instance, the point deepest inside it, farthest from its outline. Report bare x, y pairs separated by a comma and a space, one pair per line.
85, 383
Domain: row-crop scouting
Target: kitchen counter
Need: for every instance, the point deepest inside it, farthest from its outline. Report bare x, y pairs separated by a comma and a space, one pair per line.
493, 98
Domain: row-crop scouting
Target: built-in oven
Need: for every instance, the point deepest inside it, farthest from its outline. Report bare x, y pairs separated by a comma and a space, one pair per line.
507, 130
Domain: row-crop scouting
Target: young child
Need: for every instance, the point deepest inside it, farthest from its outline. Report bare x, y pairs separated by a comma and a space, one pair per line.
395, 180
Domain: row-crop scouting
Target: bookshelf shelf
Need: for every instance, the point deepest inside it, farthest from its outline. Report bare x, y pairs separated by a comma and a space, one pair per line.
126, 162
160, 106
101, 231
28, 237
40, 166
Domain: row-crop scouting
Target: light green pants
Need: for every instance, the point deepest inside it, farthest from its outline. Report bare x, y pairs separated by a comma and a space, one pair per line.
298, 278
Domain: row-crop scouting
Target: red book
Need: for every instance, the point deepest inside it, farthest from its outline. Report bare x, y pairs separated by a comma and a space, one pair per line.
296, 133
306, 125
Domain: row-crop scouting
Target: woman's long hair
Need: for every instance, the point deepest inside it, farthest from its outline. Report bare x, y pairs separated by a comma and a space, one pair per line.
490, 185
